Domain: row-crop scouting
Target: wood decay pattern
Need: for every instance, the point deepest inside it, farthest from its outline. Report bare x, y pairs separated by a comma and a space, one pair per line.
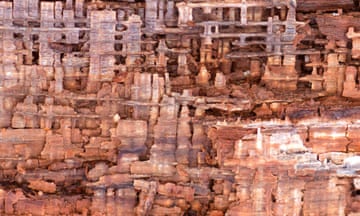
167, 107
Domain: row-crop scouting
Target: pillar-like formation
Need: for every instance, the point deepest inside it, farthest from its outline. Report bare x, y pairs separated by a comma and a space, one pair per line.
243, 15
7, 70
355, 36
170, 17
151, 13
71, 36
154, 15
33, 8
350, 88
182, 63
20, 9
79, 8
141, 91
183, 136
330, 73
162, 49
185, 14
46, 54
132, 38
102, 36
203, 77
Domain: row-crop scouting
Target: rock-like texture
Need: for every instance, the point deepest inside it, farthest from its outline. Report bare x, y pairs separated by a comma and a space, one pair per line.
164, 107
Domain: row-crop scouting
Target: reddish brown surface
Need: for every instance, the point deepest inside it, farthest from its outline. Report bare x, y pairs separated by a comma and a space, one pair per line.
179, 108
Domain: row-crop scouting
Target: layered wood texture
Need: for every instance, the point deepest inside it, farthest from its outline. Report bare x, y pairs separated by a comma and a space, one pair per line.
163, 107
